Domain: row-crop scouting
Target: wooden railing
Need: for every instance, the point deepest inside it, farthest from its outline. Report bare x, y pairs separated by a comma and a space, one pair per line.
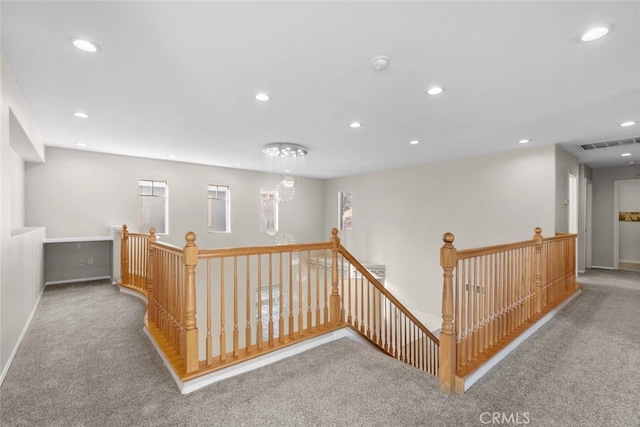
133, 260
493, 294
260, 299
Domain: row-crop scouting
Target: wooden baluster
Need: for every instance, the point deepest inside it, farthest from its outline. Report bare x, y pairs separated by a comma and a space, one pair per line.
350, 296
369, 285
291, 330
150, 272
334, 304
537, 263
342, 296
247, 329
300, 316
375, 312
191, 327
280, 301
387, 327
309, 302
318, 322
259, 304
209, 340
326, 291
236, 335
397, 341
475, 319
447, 362
223, 334
464, 314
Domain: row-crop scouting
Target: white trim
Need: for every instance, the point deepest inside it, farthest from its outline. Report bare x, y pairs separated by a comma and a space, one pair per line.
84, 279
131, 292
258, 362
77, 239
20, 338
601, 267
497, 358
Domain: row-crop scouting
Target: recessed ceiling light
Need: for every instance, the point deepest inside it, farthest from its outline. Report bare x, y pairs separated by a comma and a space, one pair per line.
238, 164
171, 156
631, 162
436, 90
81, 144
596, 33
262, 97
86, 45
524, 141
625, 124
414, 142
625, 154
80, 114
355, 125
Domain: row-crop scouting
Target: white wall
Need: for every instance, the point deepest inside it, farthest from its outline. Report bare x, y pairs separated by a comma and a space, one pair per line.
603, 218
21, 263
399, 216
78, 193
565, 164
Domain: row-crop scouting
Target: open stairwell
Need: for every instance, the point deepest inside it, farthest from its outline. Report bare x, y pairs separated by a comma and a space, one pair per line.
258, 305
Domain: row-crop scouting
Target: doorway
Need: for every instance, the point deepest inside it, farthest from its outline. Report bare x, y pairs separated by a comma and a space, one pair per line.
626, 226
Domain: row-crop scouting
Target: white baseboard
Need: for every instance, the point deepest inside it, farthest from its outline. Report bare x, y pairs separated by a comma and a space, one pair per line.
190, 386
473, 378
84, 279
602, 268
20, 338
131, 292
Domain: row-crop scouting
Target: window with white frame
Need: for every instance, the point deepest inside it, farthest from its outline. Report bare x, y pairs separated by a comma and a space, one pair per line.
219, 209
153, 206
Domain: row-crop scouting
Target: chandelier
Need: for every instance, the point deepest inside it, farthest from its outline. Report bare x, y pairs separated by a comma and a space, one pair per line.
284, 149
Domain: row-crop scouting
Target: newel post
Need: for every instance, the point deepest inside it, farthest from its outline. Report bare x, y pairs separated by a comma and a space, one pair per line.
190, 340
151, 317
537, 237
124, 256
334, 301
447, 360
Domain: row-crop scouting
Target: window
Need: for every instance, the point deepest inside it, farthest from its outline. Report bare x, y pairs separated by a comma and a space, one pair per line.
269, 211
344, 210
153, 205
219, 212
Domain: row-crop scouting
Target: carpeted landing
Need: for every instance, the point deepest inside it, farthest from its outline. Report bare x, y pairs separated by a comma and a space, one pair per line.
86, 362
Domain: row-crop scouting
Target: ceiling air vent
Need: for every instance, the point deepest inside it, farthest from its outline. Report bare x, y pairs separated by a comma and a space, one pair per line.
613, 143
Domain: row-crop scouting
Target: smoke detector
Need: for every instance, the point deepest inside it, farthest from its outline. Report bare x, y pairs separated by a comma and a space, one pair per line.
380, 62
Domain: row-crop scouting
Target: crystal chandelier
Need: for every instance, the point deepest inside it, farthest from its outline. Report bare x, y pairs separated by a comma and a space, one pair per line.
284, 149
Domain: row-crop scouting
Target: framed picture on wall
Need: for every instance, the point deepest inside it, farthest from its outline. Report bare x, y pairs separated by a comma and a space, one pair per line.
344, 210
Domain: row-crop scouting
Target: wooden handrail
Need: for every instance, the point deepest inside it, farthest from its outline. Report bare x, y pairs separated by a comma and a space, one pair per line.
487, 250
257, 250
166, 247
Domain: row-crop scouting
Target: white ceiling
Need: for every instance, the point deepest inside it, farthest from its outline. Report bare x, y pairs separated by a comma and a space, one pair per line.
180, 78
